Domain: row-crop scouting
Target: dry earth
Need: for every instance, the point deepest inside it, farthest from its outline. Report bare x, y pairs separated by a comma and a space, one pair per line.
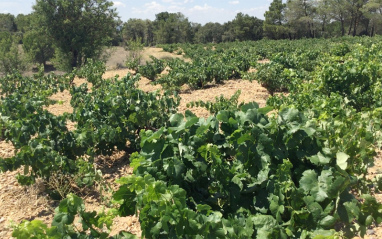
19, 203
118, 55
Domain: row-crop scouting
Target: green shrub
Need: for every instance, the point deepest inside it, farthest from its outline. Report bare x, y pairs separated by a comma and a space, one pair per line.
11, 58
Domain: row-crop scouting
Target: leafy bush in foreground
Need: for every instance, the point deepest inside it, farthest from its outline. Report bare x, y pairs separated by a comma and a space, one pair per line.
240, 174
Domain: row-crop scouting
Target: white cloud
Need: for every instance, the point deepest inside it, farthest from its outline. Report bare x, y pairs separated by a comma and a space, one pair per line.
194, 10
206, 13
151, 7
119, 4
173, 2
16, 7
205, 7
256, 11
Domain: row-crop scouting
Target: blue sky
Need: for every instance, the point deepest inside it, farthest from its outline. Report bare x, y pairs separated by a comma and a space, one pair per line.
195, 10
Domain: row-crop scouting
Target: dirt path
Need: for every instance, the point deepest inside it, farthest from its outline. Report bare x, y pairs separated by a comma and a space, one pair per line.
118, 56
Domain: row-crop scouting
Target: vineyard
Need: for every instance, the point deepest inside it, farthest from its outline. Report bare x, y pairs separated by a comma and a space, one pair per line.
295, 166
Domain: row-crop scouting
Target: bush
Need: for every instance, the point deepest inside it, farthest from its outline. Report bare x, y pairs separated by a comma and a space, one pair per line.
357, 80
134, 56
11, 58
152, 69
38, 47
240, 174
270, 76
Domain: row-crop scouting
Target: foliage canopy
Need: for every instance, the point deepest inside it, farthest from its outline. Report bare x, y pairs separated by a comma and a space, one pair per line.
79, 28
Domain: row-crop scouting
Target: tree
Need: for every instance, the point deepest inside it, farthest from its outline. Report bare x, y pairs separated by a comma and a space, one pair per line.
37, 46
355, 9
273, 27
243, 28
323, 9
79, 28
210, 33
172, 28
149, 33
134, 57
373, 11
23, 22
134, 29
7, 22
117, 35
11, 58
300, 15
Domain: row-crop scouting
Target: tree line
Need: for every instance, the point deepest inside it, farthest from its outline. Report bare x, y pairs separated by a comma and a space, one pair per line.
70, 32
291, 19
167, 28
296, 19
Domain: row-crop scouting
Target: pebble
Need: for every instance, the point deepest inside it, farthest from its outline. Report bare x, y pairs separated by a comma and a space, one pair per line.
370, 232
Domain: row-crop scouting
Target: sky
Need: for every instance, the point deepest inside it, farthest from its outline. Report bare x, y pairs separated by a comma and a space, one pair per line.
197, 11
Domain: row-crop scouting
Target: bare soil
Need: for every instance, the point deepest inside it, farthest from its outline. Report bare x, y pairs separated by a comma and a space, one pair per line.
118, 56
18, 203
